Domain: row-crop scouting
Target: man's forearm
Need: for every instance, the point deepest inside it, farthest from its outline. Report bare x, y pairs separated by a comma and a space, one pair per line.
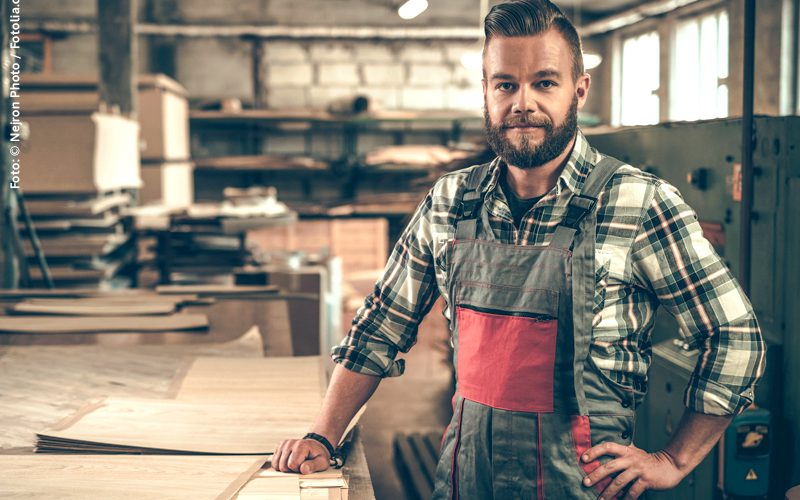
347, 393
696, 435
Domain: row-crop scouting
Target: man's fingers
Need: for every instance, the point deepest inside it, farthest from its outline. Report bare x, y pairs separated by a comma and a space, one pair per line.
300, 453
318, 464
607, 469
286, 454
606, 448
636, 490
618, 484
276, 456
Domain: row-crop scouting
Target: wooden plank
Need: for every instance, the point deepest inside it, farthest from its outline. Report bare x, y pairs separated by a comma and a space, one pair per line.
285, 487
427, 460
221, 290
170, 426
409, 463
107, 324
36, 477
89, 308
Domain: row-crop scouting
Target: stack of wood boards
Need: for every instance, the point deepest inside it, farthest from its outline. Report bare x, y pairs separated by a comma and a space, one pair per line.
223, 406
268, 484
143, 478
85, 238
228, 406
101, 314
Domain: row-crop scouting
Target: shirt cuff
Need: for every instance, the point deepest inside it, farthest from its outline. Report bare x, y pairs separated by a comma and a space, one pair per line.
367, 361
711, 398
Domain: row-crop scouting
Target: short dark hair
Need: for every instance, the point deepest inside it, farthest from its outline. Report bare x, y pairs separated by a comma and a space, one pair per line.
533, 17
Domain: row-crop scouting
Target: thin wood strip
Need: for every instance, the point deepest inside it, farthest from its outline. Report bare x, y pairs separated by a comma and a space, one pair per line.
106, 324
82, 309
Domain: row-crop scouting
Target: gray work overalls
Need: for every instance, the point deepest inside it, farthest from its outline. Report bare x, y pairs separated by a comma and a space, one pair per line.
529, 401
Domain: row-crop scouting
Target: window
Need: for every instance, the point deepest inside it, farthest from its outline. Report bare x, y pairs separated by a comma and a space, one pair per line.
637, 94
699, 81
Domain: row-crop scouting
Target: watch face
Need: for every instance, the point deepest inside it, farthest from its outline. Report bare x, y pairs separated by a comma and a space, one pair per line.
752, 440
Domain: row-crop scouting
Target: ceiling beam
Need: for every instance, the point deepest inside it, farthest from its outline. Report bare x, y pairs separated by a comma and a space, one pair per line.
285, 32
632, 16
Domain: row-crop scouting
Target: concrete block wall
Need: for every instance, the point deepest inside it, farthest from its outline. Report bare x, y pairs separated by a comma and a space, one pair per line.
396, 75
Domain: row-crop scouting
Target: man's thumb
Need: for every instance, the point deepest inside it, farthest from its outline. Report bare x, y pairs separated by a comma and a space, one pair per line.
318, 464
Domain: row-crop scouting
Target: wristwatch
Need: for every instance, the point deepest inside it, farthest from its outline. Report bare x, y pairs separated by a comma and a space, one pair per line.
337, 458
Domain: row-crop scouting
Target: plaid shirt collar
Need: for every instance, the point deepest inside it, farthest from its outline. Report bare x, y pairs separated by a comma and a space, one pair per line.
581, 161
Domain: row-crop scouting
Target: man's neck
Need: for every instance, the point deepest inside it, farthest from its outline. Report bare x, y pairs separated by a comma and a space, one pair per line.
532, 182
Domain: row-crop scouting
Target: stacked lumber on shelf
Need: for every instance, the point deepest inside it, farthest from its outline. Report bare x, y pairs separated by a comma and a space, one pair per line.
223, 406
86, 239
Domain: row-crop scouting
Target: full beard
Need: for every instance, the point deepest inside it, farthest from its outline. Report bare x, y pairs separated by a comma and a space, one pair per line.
528, 155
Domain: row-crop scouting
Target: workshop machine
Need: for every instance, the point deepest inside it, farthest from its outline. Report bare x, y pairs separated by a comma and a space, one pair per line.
760, 453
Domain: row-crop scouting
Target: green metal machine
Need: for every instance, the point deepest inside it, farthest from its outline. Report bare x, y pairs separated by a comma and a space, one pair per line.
703, 160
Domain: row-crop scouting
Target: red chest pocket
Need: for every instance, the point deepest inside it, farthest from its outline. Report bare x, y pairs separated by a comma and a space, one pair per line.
506, 361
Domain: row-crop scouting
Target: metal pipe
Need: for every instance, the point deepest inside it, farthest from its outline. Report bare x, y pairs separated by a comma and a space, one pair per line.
280, 32
748, 138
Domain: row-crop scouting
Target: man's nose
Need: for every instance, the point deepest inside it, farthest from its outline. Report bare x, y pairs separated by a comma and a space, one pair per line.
525, 101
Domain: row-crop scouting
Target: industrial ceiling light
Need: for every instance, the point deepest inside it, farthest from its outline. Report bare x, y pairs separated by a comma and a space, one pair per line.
591, 61
412, 8
472, 60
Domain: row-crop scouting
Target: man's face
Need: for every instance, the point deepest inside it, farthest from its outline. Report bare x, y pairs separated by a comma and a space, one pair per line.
531, 98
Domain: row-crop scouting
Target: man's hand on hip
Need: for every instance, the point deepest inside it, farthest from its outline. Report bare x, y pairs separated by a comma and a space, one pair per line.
300, 455
638, 470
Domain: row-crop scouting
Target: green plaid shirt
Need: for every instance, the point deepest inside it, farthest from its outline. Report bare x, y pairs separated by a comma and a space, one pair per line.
650, 250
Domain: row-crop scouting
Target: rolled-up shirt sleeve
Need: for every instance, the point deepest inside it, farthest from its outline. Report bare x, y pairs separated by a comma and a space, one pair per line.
388, 321
681, 268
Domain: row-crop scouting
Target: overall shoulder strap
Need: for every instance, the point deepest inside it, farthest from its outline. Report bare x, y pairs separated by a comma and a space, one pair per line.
471, 201
581, 204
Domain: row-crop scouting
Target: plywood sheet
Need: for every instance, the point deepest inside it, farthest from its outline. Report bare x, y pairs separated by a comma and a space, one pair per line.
170, 426
93, 308
254, 379
142, 477
78, 324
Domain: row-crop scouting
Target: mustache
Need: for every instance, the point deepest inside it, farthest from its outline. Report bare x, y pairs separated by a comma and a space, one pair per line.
526, 121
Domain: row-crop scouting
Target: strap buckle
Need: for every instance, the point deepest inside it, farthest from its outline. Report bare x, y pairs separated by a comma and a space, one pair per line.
578, 207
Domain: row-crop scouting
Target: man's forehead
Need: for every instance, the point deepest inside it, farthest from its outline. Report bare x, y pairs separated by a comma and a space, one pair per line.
545, 51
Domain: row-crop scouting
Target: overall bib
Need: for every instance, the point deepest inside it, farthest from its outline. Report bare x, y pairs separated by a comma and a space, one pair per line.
529, 401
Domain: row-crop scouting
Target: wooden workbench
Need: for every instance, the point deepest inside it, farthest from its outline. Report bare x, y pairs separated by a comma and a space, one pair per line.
44, 378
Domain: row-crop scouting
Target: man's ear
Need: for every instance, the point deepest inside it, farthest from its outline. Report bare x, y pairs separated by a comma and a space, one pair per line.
483, 84
582, 88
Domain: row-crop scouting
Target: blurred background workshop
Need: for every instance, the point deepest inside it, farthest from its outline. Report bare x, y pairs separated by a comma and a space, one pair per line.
197, 196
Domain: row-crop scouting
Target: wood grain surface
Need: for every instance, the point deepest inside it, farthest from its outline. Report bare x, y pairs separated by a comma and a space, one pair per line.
251, 379
35, 477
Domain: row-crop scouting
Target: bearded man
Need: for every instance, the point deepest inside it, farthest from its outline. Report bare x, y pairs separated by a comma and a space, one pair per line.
552, 260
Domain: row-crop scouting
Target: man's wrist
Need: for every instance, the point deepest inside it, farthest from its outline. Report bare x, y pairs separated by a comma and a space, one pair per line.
324, 441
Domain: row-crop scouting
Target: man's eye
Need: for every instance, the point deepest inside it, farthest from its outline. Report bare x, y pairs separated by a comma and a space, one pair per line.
547, 84
505, 86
